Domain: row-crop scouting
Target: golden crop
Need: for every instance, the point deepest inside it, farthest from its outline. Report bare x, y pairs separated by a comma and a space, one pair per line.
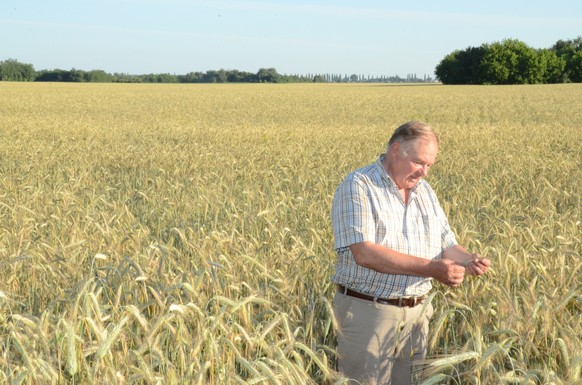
169, 234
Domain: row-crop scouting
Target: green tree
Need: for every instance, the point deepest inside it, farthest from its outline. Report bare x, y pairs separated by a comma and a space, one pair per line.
98, 76
75, 76
213, 76
190, 77
513, 62
319, 79
570, 51
510, 62
51, 75
235, 76
268, 75
166, 78
12, 70
553, 66
461, 67
576, 67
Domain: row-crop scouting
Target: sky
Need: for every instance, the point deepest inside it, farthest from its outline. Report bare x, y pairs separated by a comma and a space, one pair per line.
295, 37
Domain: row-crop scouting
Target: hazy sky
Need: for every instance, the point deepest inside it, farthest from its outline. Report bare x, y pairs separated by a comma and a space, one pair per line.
295, 37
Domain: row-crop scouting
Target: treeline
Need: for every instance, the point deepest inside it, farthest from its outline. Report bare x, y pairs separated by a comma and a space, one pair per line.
12, 70
513, 62
264, 75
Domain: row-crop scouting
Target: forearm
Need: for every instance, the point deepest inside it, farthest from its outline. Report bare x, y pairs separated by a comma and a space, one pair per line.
388, 261
458, 254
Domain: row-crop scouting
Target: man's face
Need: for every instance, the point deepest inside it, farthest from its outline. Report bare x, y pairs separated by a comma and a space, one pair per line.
411, 161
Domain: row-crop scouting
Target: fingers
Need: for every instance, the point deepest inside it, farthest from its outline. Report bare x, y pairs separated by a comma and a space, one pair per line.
455, 275
477, 269
478, 266
485, 262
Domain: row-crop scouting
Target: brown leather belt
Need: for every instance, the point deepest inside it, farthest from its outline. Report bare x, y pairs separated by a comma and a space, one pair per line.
401, 302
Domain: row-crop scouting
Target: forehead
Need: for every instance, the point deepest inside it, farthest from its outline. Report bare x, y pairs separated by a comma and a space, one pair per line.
423, 148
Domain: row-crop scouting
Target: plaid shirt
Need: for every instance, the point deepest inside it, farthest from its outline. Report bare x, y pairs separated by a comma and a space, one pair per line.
367, 206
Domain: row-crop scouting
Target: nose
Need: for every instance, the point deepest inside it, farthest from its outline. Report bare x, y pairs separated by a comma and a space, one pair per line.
424, 170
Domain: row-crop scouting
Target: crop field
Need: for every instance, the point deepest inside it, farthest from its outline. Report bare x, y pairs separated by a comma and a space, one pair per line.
180, 234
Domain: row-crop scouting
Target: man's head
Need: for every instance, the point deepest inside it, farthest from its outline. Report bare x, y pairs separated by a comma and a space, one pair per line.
412, 150
411, 131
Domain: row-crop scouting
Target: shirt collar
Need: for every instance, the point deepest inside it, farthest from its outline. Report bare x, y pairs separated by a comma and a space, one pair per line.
391, 184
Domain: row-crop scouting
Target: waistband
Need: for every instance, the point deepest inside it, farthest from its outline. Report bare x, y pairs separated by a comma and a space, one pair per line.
400, 301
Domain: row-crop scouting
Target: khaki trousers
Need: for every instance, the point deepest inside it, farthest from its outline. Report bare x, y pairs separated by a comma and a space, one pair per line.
378, 344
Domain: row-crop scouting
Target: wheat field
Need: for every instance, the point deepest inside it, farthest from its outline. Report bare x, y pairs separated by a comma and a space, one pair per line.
173, 234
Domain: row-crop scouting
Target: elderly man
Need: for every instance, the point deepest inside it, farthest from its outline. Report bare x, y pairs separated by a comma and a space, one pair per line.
392, 238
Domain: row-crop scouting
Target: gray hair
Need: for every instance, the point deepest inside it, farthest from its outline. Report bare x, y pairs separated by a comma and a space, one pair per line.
411, 131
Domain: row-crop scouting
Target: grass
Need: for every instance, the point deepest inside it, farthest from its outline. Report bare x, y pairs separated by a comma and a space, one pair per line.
180, 233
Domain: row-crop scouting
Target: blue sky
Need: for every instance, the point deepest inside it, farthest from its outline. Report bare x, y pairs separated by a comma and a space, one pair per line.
295, 37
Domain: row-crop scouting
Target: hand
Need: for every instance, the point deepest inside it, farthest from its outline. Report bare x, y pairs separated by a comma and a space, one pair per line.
448, 272
477, 265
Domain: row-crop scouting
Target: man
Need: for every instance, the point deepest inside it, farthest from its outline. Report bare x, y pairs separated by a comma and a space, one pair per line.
392, 238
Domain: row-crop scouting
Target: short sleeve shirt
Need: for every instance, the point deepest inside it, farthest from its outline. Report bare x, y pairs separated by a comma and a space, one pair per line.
367, 207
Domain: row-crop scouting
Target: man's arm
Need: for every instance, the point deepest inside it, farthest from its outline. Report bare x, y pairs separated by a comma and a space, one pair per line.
385, 260
473, 262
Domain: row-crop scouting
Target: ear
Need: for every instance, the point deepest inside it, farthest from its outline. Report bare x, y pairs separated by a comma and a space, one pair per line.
394, 149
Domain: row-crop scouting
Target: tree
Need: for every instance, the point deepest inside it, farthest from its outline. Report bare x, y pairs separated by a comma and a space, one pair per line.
510, 62
506, 62
319, 79
461, 67
570, 51
268, 75
575, 67
98, 76
76, 76
235, 76
213, 77
51, 76
553, 66
513, 62
12, 70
